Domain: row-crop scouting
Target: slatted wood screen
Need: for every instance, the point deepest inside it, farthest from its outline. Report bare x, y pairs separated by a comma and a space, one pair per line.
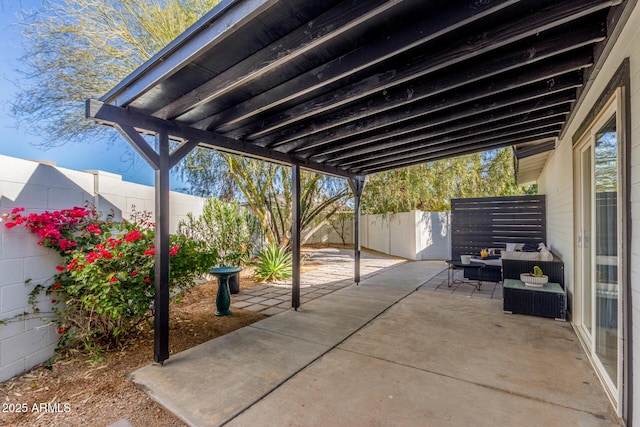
492, 222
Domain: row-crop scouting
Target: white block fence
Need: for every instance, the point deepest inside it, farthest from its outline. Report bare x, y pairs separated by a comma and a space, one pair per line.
26, 341
414, 235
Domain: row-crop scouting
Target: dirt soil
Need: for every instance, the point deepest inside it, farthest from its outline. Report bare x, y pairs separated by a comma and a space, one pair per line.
77, 391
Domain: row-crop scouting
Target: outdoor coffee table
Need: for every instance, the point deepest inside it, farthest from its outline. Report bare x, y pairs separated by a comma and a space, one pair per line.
223, 297
458, 265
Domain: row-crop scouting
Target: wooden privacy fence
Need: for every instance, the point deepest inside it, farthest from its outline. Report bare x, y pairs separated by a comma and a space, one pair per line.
492, 222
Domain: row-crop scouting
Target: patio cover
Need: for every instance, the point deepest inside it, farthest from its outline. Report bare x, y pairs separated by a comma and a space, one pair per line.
350, 88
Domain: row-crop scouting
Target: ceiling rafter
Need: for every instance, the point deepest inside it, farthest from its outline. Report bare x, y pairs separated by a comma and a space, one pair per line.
346, 88
272, 59
472, 46
464, 137
461, 150
470, 79
443, 111
341, 68
482, 124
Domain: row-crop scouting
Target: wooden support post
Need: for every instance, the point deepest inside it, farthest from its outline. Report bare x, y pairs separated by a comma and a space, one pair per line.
357, 186
161, 277
295, 236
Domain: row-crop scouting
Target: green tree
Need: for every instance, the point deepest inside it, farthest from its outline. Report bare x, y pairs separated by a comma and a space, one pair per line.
431, 186
267, 188
79, 49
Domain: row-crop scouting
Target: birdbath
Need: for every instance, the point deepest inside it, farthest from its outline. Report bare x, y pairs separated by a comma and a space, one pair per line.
223, 297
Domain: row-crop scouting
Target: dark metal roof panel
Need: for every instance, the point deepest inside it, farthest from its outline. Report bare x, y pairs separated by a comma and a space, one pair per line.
366, 86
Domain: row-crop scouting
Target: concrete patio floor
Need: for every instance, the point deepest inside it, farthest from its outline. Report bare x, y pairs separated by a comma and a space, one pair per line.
398, 350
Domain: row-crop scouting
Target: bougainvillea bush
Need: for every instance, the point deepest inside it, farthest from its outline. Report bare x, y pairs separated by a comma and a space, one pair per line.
104, 285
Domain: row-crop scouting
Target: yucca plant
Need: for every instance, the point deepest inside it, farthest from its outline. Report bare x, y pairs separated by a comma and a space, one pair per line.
273, 263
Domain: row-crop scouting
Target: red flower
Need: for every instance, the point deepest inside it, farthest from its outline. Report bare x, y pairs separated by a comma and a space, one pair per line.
53, 301
113, 279
62, 330
66, 244
56, 286
93, 228
132, 236
16, 210
174, 250
92, 257
105, 254
151, 250
10, 224
147, 280
113, 242
72, 265
60, 268
133, 274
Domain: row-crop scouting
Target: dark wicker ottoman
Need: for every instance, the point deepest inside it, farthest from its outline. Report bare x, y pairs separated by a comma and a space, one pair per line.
549, 301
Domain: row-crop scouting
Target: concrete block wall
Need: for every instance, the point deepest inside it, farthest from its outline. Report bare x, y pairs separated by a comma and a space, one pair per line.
415, 235
328, 234
26, 341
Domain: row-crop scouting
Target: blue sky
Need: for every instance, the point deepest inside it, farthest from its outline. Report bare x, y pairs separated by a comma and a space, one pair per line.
16, 141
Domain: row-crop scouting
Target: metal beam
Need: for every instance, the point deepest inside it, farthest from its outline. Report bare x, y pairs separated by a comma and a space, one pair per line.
161, 276
111, 115
295, 235
139, 144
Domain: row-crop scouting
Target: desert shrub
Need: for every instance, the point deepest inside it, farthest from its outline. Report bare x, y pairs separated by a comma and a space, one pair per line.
226, 229
273, 263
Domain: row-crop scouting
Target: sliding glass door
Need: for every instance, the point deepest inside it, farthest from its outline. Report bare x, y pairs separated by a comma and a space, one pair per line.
597, 247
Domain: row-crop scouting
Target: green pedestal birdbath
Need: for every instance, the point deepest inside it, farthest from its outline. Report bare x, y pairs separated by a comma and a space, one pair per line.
223, 297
